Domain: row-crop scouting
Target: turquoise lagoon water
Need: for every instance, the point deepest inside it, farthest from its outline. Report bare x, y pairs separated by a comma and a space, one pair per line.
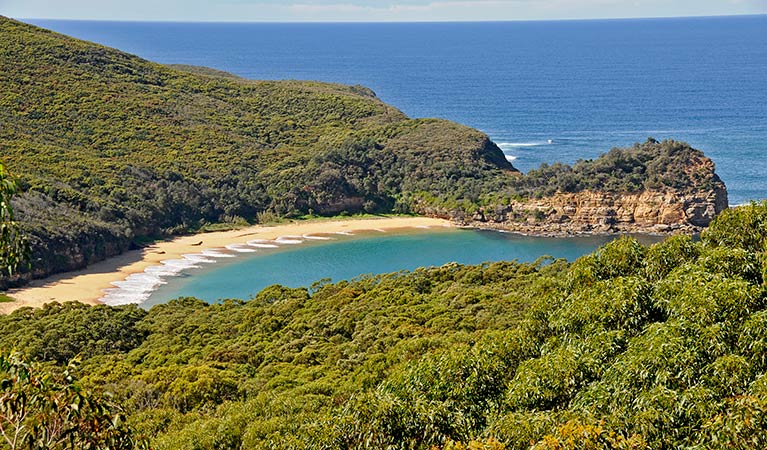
346, 257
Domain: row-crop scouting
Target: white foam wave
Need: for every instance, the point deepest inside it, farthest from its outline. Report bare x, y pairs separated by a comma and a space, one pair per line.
119, 296
166, 270
425, 227
138, 287
508, 145
134, 289
510, 158
263, 243
316, 238
344, 233
241, 248
380, 230
290, 240
217, 254
178, 265
193, 258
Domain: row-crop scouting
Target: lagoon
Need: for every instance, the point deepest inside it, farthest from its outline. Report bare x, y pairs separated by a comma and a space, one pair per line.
347, 257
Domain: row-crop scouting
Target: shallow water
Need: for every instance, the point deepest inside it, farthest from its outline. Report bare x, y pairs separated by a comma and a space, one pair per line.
346, 257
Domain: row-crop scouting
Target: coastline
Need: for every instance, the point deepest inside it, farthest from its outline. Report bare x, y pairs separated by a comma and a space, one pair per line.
88, 285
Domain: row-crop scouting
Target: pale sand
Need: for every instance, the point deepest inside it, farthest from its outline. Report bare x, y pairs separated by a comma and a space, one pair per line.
87, 285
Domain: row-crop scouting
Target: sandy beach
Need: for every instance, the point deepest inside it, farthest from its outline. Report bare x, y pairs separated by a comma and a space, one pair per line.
87, 285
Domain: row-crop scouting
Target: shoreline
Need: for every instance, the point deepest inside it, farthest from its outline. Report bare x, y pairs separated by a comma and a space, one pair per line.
557, 230
88, 285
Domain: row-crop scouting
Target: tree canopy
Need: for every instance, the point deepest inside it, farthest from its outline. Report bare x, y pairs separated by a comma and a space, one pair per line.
14, 247
45, 408
630, 347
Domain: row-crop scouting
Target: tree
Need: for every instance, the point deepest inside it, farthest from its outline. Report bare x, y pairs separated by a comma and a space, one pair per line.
46, 408
14, 247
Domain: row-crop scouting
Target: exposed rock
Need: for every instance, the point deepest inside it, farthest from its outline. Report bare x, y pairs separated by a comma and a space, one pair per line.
589, 212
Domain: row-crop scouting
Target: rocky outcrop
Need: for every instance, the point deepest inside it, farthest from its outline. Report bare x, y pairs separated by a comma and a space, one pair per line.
652, 187
603, 212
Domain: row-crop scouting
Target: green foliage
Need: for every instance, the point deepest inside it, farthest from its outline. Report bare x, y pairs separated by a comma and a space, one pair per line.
651, 165
441, 399
157, 150
622, 257
59, 333
583, 436
629, 347
744, 227
741, 422
243, 367
626, 348
14, 247
666, 256
47, 409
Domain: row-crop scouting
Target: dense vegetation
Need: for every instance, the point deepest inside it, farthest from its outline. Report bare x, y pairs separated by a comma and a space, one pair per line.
651, 165
630, 347
46, 408
14, 248
111, 149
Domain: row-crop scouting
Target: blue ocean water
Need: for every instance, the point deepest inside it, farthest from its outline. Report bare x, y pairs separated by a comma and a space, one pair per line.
586, 85
369, 253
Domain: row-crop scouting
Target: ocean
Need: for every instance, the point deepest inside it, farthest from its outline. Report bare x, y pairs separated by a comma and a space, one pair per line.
550, 91
587, 86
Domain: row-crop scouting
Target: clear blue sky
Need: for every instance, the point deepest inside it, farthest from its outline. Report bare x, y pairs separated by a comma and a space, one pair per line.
371, 10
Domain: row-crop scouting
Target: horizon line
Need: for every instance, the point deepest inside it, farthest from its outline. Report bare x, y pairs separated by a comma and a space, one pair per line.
591, 19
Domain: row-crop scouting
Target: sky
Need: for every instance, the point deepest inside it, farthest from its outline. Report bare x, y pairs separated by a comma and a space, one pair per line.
370, 10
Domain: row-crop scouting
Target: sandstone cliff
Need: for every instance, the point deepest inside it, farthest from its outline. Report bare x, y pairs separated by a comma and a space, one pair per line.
600, 212
686, 199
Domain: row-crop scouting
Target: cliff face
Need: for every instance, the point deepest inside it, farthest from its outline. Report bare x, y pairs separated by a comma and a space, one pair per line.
603, 212
679, 192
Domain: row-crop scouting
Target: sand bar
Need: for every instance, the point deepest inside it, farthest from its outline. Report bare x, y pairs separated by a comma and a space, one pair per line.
87, 285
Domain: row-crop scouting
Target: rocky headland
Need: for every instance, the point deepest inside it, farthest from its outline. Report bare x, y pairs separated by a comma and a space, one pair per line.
589, 212
676, 191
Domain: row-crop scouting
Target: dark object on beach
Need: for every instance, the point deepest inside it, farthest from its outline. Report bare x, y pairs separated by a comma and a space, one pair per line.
197, 244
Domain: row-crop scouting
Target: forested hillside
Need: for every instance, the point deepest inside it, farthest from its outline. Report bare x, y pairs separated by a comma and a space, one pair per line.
111, 149
630, 347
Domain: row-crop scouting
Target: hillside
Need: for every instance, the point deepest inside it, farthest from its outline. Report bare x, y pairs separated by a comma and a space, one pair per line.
110, 147
111, 150
630, 347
